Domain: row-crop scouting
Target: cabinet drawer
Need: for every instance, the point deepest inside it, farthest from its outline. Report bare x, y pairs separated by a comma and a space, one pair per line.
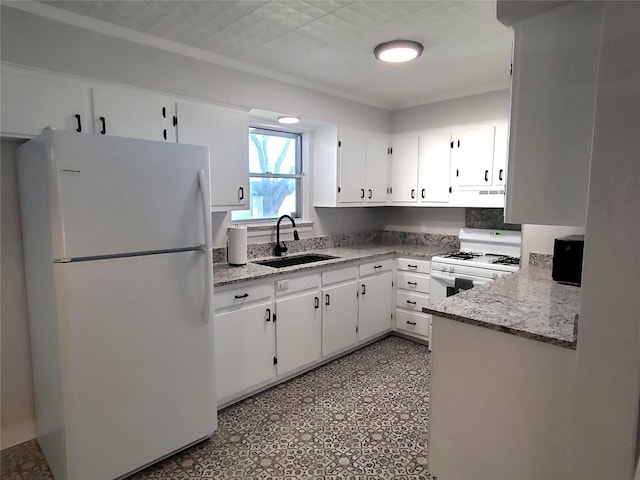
413, 281
411, 301
411, 265
241, 295
290, 285
413, 322
376, 267
339, 275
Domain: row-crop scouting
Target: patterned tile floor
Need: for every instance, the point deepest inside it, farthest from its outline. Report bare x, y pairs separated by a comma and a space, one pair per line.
363, 416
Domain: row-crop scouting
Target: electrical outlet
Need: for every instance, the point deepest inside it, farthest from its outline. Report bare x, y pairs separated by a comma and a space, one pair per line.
282, 285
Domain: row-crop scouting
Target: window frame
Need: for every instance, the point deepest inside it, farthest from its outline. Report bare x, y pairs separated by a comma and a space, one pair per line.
298, 177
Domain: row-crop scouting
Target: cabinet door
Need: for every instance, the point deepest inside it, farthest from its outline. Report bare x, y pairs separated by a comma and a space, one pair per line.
244, 349
33, 100
377, 169
127, 112
500, 155
339, 317
298, 331
434, 167
226, 132
472, 156
352, 149
374, 316
404, 169
555, 75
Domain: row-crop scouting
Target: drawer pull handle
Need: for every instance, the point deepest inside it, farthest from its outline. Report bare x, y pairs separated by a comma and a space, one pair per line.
244, 295
410, 302
377, 266
415, 284
411, 323
412, 266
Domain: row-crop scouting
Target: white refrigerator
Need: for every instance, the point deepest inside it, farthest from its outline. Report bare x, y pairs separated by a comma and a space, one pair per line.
117, 243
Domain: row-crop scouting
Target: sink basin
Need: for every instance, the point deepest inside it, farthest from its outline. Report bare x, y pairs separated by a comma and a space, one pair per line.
297, 260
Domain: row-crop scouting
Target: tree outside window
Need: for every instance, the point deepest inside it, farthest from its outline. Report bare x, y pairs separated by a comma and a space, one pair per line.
275, 170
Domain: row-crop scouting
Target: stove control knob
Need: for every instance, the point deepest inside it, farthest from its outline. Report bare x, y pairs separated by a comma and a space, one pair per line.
451, 269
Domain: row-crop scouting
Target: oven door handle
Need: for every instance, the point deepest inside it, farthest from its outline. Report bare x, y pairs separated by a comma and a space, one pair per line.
451, 279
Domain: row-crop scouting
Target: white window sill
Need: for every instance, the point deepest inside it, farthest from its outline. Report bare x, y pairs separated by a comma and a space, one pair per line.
263, 229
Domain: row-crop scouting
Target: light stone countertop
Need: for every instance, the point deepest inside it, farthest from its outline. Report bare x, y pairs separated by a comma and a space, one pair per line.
528, 304
224, 274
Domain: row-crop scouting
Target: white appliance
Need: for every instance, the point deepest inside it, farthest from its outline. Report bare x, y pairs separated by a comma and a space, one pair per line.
484, 256
117, 237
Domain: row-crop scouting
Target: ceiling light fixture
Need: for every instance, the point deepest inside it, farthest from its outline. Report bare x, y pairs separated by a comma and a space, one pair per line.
397, 51
288, 119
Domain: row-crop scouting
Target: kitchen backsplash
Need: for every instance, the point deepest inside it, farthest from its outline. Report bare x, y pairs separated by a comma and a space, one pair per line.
492, 218
258, 250
544, 260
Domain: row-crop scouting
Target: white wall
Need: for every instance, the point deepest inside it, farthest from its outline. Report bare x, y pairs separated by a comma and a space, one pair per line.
17, 417
608, 368
539, 238
471, 109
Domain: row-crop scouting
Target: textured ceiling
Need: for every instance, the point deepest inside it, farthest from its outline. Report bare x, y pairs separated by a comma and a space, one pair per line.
329, 43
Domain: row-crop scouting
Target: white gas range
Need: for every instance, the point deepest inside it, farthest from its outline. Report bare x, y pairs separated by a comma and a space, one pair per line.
484, 256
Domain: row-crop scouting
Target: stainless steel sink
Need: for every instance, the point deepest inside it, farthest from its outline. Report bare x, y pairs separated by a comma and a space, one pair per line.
297, 260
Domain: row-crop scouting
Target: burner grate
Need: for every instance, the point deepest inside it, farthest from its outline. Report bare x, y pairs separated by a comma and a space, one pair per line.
506, 260
462, 255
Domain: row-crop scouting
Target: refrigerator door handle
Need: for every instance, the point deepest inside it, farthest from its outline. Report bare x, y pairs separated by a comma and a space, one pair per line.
208, 252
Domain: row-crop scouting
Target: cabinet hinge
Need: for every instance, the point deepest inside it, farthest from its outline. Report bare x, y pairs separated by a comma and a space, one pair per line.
339, 143
274, 318
175, 120
275, 360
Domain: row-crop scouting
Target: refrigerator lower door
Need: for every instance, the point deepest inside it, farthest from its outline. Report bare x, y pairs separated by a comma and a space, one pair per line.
137, 361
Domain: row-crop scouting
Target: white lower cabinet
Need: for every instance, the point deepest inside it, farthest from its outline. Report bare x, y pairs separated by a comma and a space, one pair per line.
339, 310
412, 293
266, 331
374, 309
244, 340
298, 325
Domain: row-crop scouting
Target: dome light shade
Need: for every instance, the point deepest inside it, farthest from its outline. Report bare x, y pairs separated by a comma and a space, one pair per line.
397, 51
288, 119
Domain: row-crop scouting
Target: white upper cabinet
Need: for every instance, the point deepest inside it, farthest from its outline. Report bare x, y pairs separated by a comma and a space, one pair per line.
404, 169
434, 167
350, 167
33, 100
472, 156
555, 71
129, 112
500, 154
377, 169
226, 132
352, 154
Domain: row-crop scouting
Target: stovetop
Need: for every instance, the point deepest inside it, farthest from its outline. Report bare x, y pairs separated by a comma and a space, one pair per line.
477, 260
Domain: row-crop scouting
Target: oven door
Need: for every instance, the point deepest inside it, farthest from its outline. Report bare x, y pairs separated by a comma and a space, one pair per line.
443, 285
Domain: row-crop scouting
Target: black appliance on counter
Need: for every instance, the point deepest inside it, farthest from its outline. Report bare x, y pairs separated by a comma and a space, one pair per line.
567, 259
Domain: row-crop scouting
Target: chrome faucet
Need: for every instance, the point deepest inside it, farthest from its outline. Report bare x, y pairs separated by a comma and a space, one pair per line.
280, 249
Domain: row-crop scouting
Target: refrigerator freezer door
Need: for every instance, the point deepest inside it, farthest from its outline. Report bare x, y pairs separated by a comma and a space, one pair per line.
112, 195
137, 361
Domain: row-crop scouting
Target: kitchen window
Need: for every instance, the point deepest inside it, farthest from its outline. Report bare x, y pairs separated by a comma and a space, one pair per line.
275, 174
